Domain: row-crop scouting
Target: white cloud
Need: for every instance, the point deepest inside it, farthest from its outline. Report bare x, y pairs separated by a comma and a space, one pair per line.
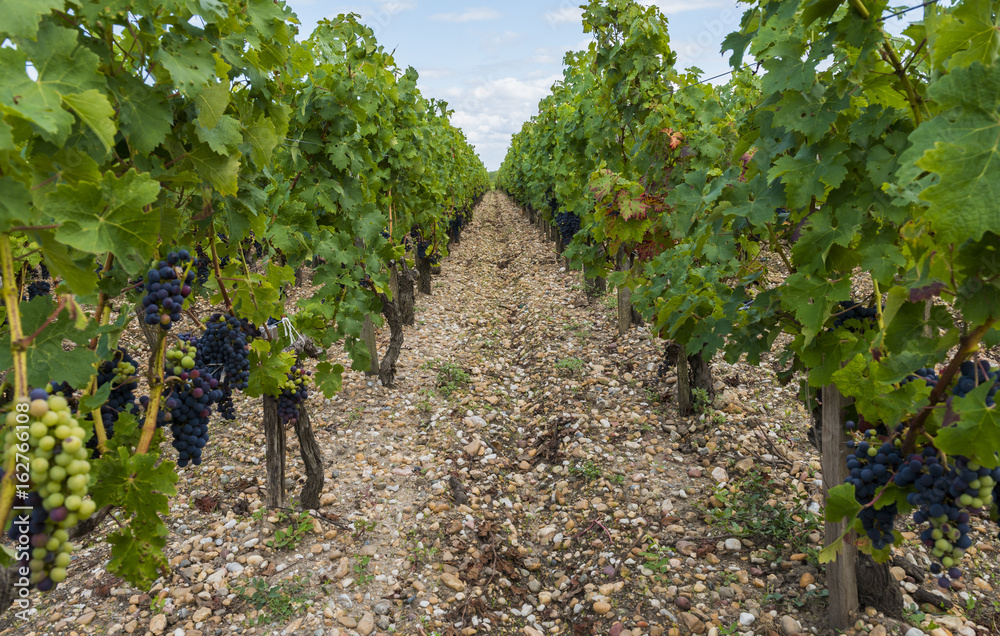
564, 15
501, 39
470, 15
434, 73
491, 109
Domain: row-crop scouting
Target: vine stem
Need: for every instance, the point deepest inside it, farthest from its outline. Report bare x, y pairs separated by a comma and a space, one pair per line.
895, 62
27, 340
246, 268
218, 270
970, 344
155, 394
102, 299
12, 303
11, 299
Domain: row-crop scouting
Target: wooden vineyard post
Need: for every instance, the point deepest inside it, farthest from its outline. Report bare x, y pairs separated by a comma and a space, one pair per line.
840, 577
368, 334
274, 435
424, 270
624, 296
274, 438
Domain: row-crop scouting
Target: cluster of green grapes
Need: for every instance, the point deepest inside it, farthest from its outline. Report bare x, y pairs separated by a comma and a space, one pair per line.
43, 430
181, 358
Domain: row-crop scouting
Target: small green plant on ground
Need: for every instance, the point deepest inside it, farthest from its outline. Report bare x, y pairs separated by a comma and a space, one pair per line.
417, 551
588, 471
363, 527
747, 512
276, 603
572, 364
450, 376
298, 528
360, 570
657, 558
156, 604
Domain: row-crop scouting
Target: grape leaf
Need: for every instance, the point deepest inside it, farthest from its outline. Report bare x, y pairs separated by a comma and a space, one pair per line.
329, 378
189, 60
76, 270
108, 216
63, 66
222, 171
137, 553
841, 503
961, 147
224, 137
93, 109
211, 104
145, 116
96, 401
968, 33
15, 203
267, 370
806, 174
47, 360
977, 434
22, 17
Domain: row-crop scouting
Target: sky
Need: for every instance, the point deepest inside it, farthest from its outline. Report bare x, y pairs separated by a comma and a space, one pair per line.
493, 61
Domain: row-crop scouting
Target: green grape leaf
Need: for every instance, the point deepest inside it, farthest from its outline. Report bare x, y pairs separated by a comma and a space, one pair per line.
137, 552
137, 483
93, 109
263, 138
960, 147
15, 204
22, 17
189, 61
267, 370
63, 66
811, 171
854, 380
968, 33
977, 434
96, 401
221, 171
145, 116
47, 360
75, 269
811, 298
108, 216
329, 378
841, 503
6, 136
211, 104
224, 137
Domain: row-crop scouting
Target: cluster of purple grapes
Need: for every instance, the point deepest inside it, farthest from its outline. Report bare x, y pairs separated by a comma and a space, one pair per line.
166, 290
943, 492
872, 467
294, 391
972, 375
187, 403
569, 225
855, 316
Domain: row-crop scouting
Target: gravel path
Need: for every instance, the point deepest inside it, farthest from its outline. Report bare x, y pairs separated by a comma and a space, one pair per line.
528, 475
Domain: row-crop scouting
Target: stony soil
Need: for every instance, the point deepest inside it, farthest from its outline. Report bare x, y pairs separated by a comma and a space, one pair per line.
529, 474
